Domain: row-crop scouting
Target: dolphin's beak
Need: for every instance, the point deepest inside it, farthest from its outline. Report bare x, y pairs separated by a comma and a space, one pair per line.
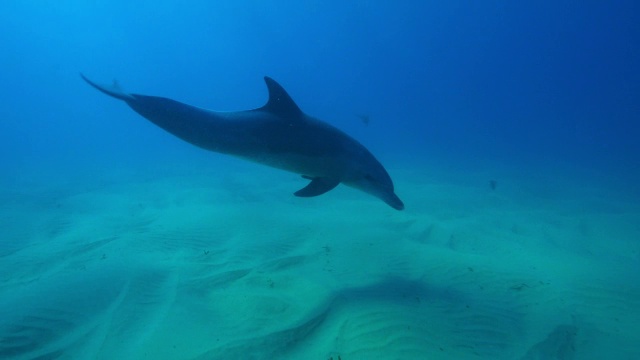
394, 201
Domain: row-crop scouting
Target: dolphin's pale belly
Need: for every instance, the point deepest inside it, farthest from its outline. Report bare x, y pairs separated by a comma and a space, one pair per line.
301, 164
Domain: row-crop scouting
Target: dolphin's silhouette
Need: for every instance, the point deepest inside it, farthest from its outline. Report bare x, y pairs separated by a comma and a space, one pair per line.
278, 134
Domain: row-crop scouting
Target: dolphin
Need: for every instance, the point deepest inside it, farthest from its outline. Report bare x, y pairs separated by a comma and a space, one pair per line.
277, 134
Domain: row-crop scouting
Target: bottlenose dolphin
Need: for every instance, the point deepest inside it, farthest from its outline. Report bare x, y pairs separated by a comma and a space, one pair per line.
277, 134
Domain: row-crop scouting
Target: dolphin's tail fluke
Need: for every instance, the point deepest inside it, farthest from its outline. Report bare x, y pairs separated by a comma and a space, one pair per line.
113, 90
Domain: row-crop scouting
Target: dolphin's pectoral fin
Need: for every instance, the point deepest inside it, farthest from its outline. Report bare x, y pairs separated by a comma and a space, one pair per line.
317, 186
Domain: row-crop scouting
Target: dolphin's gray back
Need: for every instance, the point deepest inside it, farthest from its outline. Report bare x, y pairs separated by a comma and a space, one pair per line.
254, 134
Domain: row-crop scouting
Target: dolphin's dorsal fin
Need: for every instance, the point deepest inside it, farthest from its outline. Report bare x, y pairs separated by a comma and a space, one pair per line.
280, 103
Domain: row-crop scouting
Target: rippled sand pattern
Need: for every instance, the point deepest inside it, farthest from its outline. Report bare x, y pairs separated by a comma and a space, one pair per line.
208, 267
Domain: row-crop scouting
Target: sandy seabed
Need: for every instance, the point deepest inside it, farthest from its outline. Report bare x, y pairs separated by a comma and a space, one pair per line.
229, 265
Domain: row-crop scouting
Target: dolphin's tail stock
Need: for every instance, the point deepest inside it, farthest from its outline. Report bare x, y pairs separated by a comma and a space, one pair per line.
114, 90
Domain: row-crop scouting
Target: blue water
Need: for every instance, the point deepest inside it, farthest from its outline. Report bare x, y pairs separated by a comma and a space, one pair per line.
536, 90
511, 83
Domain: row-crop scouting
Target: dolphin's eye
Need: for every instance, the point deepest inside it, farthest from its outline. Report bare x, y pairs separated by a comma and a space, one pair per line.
370, 178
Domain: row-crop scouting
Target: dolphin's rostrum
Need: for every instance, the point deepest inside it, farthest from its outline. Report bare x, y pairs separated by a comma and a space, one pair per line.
278, 134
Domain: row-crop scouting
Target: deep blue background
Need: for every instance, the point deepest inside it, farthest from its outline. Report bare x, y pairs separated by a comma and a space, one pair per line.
516, 84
